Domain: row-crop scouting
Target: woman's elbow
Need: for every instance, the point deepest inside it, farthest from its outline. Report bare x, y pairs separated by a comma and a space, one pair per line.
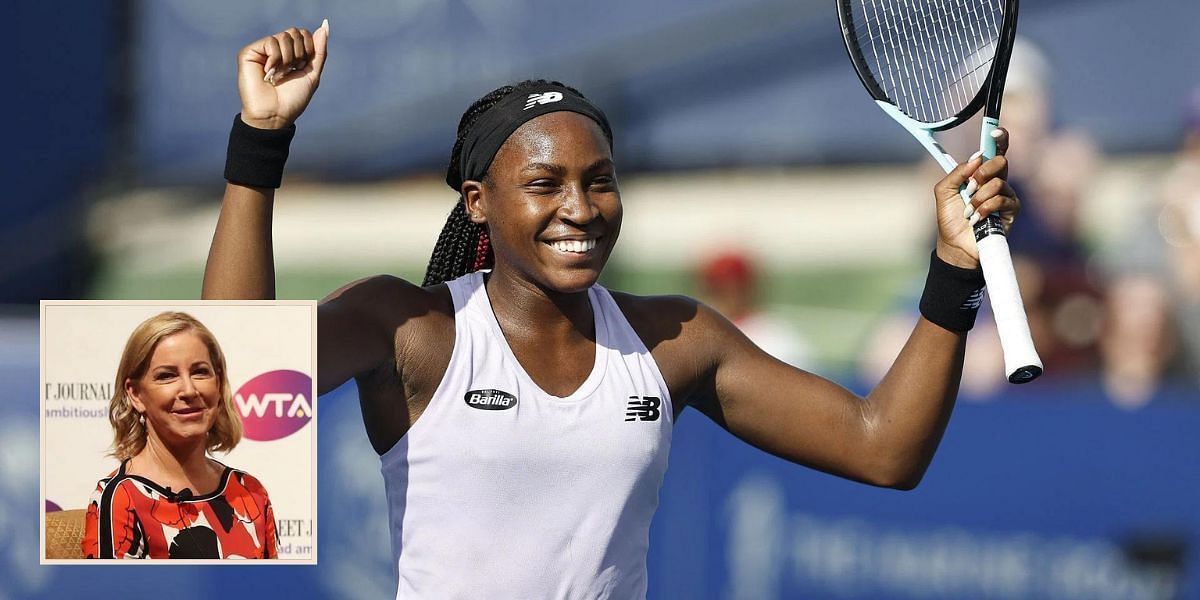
897, 475
905, 484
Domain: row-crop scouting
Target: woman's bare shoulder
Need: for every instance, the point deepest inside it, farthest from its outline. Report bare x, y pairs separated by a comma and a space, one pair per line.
391, 301
376, 323
380, 293
684, 336
665, 318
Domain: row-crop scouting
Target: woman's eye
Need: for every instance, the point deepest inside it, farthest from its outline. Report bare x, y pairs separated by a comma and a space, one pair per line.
202, 372
164, 376
542, 186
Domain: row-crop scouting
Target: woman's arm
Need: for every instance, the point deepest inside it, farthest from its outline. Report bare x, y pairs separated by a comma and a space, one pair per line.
271, 547
887, 438
90, 545
277, 77
115, 535
357, 330
271, 539
241, 263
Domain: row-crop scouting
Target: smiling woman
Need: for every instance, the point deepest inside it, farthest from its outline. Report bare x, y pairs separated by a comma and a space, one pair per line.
515, 403
171, 407
502, 142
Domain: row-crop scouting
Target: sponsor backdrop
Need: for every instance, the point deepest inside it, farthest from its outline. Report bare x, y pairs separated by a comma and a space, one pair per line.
269, 353
1052, 494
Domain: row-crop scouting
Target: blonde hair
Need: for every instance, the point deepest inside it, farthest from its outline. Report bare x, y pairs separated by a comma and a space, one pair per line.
129, 430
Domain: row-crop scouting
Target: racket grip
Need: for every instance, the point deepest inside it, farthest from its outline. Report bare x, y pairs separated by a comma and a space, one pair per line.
987, 143
1021, 361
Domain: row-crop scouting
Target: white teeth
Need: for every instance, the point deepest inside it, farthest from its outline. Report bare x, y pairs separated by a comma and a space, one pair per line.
578, 246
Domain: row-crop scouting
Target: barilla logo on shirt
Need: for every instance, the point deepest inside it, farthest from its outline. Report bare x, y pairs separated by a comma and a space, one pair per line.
490, 399
274, 405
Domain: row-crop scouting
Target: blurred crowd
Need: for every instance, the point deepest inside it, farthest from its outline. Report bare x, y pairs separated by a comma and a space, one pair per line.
1126, 315
1129, 312
1152, 291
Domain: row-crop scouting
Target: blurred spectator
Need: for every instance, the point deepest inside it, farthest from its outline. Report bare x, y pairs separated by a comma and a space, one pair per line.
1139, 339
1051, 170
729, 283
1153, 318
1178, 224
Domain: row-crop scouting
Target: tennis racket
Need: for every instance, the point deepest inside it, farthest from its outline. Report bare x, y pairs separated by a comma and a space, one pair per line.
931, 65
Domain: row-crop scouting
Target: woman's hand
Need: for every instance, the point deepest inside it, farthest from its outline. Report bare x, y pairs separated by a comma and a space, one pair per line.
991, 194
278, 75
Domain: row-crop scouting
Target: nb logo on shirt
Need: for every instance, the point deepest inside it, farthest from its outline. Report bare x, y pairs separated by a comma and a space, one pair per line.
547, 98
643, 408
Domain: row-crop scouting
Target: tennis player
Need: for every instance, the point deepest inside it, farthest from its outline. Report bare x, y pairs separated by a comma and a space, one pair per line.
522, 412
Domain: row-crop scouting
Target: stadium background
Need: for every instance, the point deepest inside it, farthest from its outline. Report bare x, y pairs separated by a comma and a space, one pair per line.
739, 124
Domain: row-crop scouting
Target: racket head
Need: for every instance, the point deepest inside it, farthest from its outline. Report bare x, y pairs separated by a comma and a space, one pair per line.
935, 61
999, 70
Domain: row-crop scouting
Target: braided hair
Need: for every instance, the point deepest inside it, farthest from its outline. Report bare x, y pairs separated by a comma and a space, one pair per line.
463, 246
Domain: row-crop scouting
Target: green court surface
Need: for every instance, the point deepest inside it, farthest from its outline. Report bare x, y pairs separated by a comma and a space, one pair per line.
833, 309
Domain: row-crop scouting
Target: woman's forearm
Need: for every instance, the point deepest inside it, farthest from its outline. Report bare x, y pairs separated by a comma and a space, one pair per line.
241, 263
275, 86
909, 410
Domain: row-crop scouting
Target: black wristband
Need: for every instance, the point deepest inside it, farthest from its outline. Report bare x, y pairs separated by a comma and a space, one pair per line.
256, 156
952, 295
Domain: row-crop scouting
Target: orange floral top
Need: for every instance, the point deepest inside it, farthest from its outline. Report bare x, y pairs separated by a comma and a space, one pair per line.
133, 517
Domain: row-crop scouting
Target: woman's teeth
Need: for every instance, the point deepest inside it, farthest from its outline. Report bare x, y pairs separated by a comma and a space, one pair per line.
579, 246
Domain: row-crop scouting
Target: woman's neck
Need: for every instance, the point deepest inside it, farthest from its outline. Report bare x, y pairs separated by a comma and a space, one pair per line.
537, 311
176, 467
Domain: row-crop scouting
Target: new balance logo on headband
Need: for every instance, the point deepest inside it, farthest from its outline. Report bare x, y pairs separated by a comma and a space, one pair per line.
546, 98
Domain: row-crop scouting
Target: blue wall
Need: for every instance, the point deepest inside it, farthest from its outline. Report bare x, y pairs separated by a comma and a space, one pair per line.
687, 83
58, 124
1038, 498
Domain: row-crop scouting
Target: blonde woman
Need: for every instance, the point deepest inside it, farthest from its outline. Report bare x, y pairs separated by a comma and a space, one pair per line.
171, 408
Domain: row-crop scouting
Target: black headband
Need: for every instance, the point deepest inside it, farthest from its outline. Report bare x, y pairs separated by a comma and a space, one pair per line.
494, 126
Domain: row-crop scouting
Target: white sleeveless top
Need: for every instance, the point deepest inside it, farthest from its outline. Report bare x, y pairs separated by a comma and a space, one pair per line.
500, 490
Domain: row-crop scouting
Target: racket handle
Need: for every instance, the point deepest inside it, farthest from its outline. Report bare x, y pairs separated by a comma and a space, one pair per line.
987, 143
1021, 361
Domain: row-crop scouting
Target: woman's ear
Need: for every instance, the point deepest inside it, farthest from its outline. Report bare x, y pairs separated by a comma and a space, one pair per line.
475, 201
131, 392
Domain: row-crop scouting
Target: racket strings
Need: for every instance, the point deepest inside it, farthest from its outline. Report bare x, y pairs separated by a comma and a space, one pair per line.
930, 57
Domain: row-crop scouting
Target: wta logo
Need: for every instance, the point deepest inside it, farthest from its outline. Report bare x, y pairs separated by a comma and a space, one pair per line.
274, 405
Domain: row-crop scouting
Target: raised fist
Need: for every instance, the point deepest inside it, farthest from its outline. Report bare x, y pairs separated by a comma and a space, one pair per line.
278, 75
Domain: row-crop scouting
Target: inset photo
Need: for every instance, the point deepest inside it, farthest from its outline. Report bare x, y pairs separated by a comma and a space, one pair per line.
178, 430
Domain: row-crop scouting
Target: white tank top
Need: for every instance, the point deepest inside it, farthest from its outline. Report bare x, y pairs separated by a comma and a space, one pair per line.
500, 490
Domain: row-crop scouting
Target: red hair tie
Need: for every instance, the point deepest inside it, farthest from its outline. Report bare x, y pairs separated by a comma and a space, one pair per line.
483, 251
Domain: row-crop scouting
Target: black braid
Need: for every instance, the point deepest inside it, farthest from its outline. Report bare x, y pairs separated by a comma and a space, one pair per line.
455, 252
